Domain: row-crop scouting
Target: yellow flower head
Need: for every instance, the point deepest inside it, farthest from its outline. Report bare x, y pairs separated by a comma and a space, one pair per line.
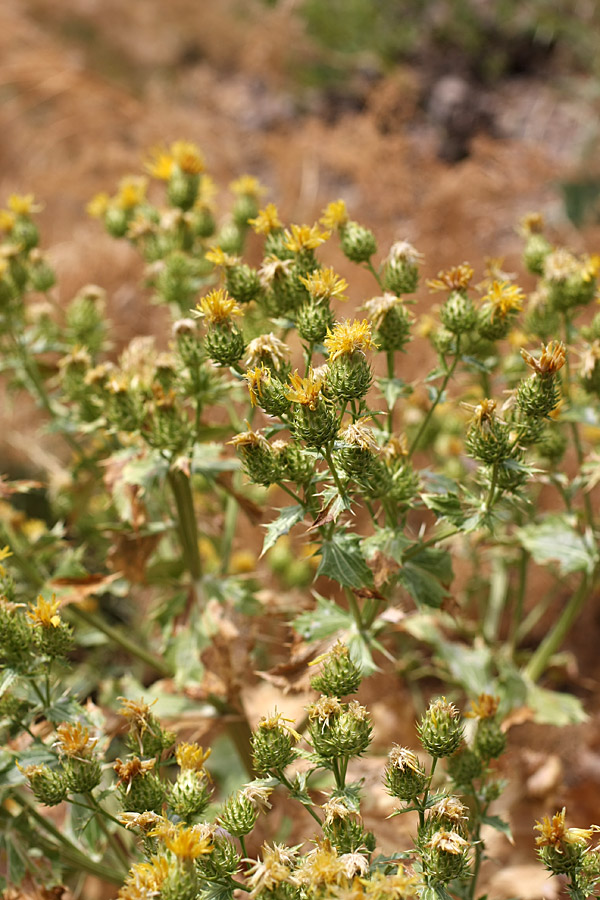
98, 205
590, 267
324, 284
334, 215
255, 378
360, 435
276, 721
299, 238
145, 879
267, 220
552, 830
5, 552
7, 221
187, 157
532, 223
402, 758
552, 359
349, 337
275, 868
504, 298
219, 258
186, 843
321, 866
191, 757
249, 440
484, 413
218, 307
160, 164
448, 842
132, 192
457, 278
485, 707
132, 768
324, 709
450, 808
145, 821
23, 204
378, 307
398, 885
45, 613
258, 794
267, 347
305, 391
136, 710
247, 186
75, 741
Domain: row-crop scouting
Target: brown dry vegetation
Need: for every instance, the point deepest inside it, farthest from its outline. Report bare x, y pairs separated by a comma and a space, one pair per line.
86, 86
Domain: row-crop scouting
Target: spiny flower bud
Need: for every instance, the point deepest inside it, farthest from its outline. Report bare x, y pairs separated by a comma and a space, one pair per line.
391, 320
231, 238
570, 281
48, 785
315, 418
488, 439
146, 734
225, 344
537, 246
273, 744
243, 283
53, 637
16, 635
295, 464
405, 777
26, 233
269, 351
82, 768
446, 856
41, 274
440, 729
349, 374
343, 830
190, 795
139, 788
562, 849
458, 314
540, 394
490, 741
182, 188
464, 766
180, 884
339, 675
238, 815
358, 243
358, 454
501, 304
223, 861
267, 391
401, 272
257, 456
313, 321
339, 730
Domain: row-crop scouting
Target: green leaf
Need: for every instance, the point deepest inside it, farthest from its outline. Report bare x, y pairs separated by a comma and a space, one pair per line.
342, 560
323, 621
499, 824
6, 679
471, 667
554, 708
427, 575
388, 541
285, 521
393, 389
16, 861
556, 540
445, 506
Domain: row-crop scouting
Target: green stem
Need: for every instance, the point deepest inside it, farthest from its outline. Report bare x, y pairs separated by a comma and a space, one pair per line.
587, 500
489, 501
186, 521
416, 548
110, 837
434, 762
308, 351
390, 374
117, 636
438, 397
329, 457
369, 265
353, 606
519, 605
553, 640
279, 774
243, 846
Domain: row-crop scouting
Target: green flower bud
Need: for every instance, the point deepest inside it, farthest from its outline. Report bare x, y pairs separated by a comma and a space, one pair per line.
177, 281
85, 318
139, 789
231, 239
465, 766
553, 444
446, 857
569, 281
190, 795
48, 785
440, 729
202, 222
345, 833
189, 345
345, 731
267, 391
26, 233
225, 344
182, 188
116, 221
54, 642
537, 397
42, 275
490, 740
391, 320
16, 637
313, 321
181, 883
405, 777
536, 250
273, 744
223, 861
339, 675
295, 463
245, 207
349, 377
82, 775
238, 815
563, 858
458, 314
488, 440
258, 458
315, 426
358, 243
243, 283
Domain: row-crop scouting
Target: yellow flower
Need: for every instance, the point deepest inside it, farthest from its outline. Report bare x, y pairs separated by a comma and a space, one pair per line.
457, 278
218, 307
98, 205
503, 298
306, 391
45, 613
218, 257
132, 768
590, 267
349, 337
277, 721
484, 413
267, 220
187, 843
132, 192
7, 221
396, 448
275, 868
5, 552
74, 740
360, 435
321, 866
552, 358
378, 307
187, 157
250, 440
304, 237
402, 758
23, 204
160, 164
532, 223
324, 284
145, 879
255, 378
191, 757
334, 215
398, 885
247, 185
145, 821
448, 842
267, 345
554, 833
485, 707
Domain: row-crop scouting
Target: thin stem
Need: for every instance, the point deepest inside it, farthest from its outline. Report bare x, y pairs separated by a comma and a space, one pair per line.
186, 516
308, 352
519, 604
438, 397
587, 500
111, 838
354, 609
285, 781
329, 457
243, 845
434, 762
369, 265
489, 501
553, 640
416, 549
390, 374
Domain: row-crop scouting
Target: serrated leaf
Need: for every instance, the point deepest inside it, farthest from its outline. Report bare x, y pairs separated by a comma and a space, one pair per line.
556, 540
471, 667
554, 708
427, 575
285, 521
393, 389
499, 824
445, 506
388, 541
342, 561
323, 621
